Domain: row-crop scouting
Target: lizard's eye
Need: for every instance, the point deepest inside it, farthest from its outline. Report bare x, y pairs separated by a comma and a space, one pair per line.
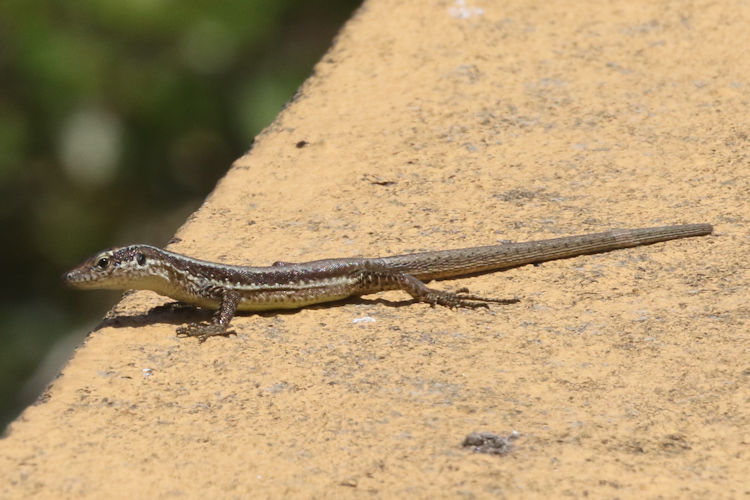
102, 263
140, 259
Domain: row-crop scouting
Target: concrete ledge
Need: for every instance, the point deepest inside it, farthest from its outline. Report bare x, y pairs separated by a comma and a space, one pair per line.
437, 124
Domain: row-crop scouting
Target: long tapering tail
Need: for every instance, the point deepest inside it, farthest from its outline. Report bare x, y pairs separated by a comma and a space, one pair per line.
450, 263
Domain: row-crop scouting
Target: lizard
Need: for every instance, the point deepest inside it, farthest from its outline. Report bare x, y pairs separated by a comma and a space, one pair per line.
285, 285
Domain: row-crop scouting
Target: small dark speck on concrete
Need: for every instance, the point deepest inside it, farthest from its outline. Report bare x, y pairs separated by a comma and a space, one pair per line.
377, 180
301, 144
490, 443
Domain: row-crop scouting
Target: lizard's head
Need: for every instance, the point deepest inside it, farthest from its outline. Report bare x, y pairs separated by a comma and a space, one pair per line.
117, 268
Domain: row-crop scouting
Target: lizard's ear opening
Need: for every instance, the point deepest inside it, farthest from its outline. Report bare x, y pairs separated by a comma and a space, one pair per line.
140, 258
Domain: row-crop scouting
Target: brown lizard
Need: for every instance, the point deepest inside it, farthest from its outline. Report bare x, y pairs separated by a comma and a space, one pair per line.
228, 288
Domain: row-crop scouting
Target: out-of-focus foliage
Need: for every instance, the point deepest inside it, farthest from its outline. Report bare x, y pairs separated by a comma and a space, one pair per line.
116, 119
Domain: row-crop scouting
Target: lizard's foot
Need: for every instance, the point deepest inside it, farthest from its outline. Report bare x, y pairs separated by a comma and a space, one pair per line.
452, 300
203, 330
462, 298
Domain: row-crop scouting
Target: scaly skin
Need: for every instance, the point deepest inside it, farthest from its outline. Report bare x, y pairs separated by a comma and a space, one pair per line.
284, 285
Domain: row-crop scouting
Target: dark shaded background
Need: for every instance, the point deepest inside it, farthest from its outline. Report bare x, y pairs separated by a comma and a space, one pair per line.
116, 119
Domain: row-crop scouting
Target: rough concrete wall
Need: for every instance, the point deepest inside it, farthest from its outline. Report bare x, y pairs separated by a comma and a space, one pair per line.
438, 124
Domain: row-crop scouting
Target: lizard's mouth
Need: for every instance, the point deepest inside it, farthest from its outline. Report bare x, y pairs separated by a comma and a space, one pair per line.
78, 278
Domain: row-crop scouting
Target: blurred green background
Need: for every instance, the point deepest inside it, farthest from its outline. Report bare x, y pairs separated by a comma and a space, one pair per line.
116, 120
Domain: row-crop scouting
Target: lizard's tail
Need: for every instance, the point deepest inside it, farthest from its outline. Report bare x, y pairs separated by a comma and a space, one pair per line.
450, 263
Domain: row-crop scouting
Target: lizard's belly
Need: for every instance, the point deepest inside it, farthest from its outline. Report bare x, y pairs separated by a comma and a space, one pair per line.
296, 295
285, 299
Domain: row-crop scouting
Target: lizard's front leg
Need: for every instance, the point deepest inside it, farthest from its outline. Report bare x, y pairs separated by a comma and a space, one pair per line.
219, 324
